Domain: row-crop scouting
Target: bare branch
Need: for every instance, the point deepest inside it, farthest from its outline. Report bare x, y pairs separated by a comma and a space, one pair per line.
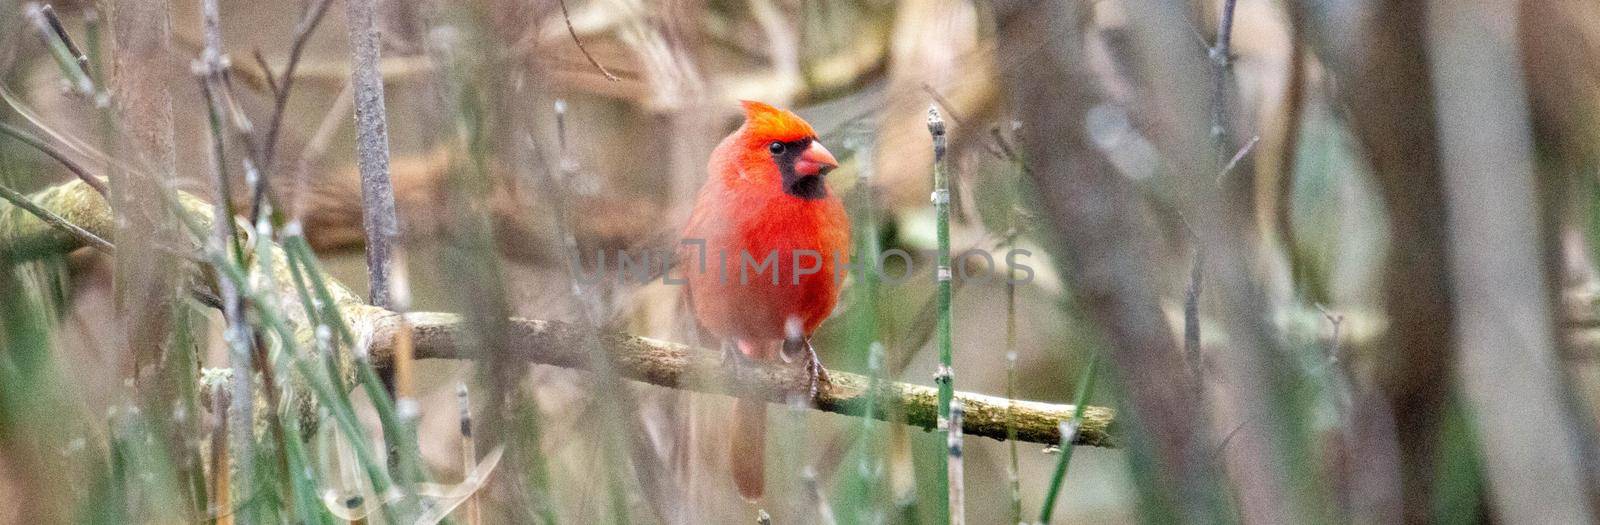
77, 170
372, 149
281, 87
1108, 249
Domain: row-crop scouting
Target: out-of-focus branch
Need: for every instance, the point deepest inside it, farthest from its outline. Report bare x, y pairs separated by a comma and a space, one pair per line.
1274, 176
145, 283
281, 87
1260, 379
673, 365
1509, 369
329, 205
1222, 70
1381, 46
1106, 246
211, 70
52, 152
372, 149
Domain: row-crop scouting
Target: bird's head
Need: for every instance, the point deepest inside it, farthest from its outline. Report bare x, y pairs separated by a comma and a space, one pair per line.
784, 139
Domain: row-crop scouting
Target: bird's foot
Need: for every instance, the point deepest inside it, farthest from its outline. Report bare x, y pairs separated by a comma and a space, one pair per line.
816, 375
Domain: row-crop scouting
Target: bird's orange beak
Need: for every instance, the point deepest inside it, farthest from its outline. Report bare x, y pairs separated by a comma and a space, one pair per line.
816, 160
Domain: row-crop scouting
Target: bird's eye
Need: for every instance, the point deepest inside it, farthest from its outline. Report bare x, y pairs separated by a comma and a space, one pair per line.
775, 147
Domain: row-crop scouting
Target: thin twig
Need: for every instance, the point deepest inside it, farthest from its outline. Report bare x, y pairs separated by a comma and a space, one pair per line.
1222, 61
239, 337
266, 71
66, 39
1013, 468
957, 472
76, 169
1337, 320
999, 145
317, 146
281, 87
945, 377
1191, 314
574, 32
1238, 156
469, 451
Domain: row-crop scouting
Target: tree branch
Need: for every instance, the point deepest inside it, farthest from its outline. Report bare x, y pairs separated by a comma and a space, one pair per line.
672, 365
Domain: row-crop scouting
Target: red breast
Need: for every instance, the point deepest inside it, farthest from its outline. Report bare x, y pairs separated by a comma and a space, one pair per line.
766, 209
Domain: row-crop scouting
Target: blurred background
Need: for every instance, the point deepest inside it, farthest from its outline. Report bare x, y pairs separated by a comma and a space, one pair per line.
1334, 259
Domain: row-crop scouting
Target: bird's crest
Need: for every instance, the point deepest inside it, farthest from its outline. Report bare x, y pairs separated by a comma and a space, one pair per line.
771, 123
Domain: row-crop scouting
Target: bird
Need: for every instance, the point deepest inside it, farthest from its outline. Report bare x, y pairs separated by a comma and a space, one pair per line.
765, 205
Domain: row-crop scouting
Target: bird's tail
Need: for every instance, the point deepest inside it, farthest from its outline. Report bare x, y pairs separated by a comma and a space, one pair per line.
749, 436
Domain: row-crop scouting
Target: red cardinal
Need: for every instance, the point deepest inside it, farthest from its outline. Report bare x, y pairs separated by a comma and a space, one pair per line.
765, 198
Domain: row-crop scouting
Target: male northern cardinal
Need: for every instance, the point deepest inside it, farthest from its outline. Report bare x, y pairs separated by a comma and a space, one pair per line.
765, 199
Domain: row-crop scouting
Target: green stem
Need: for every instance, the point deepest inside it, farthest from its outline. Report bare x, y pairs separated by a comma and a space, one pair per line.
324, 387
1085, 387
869, 441
945, 377
73, 66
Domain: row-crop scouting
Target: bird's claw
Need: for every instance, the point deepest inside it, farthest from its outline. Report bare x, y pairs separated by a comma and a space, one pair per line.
816, 375
792, 350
